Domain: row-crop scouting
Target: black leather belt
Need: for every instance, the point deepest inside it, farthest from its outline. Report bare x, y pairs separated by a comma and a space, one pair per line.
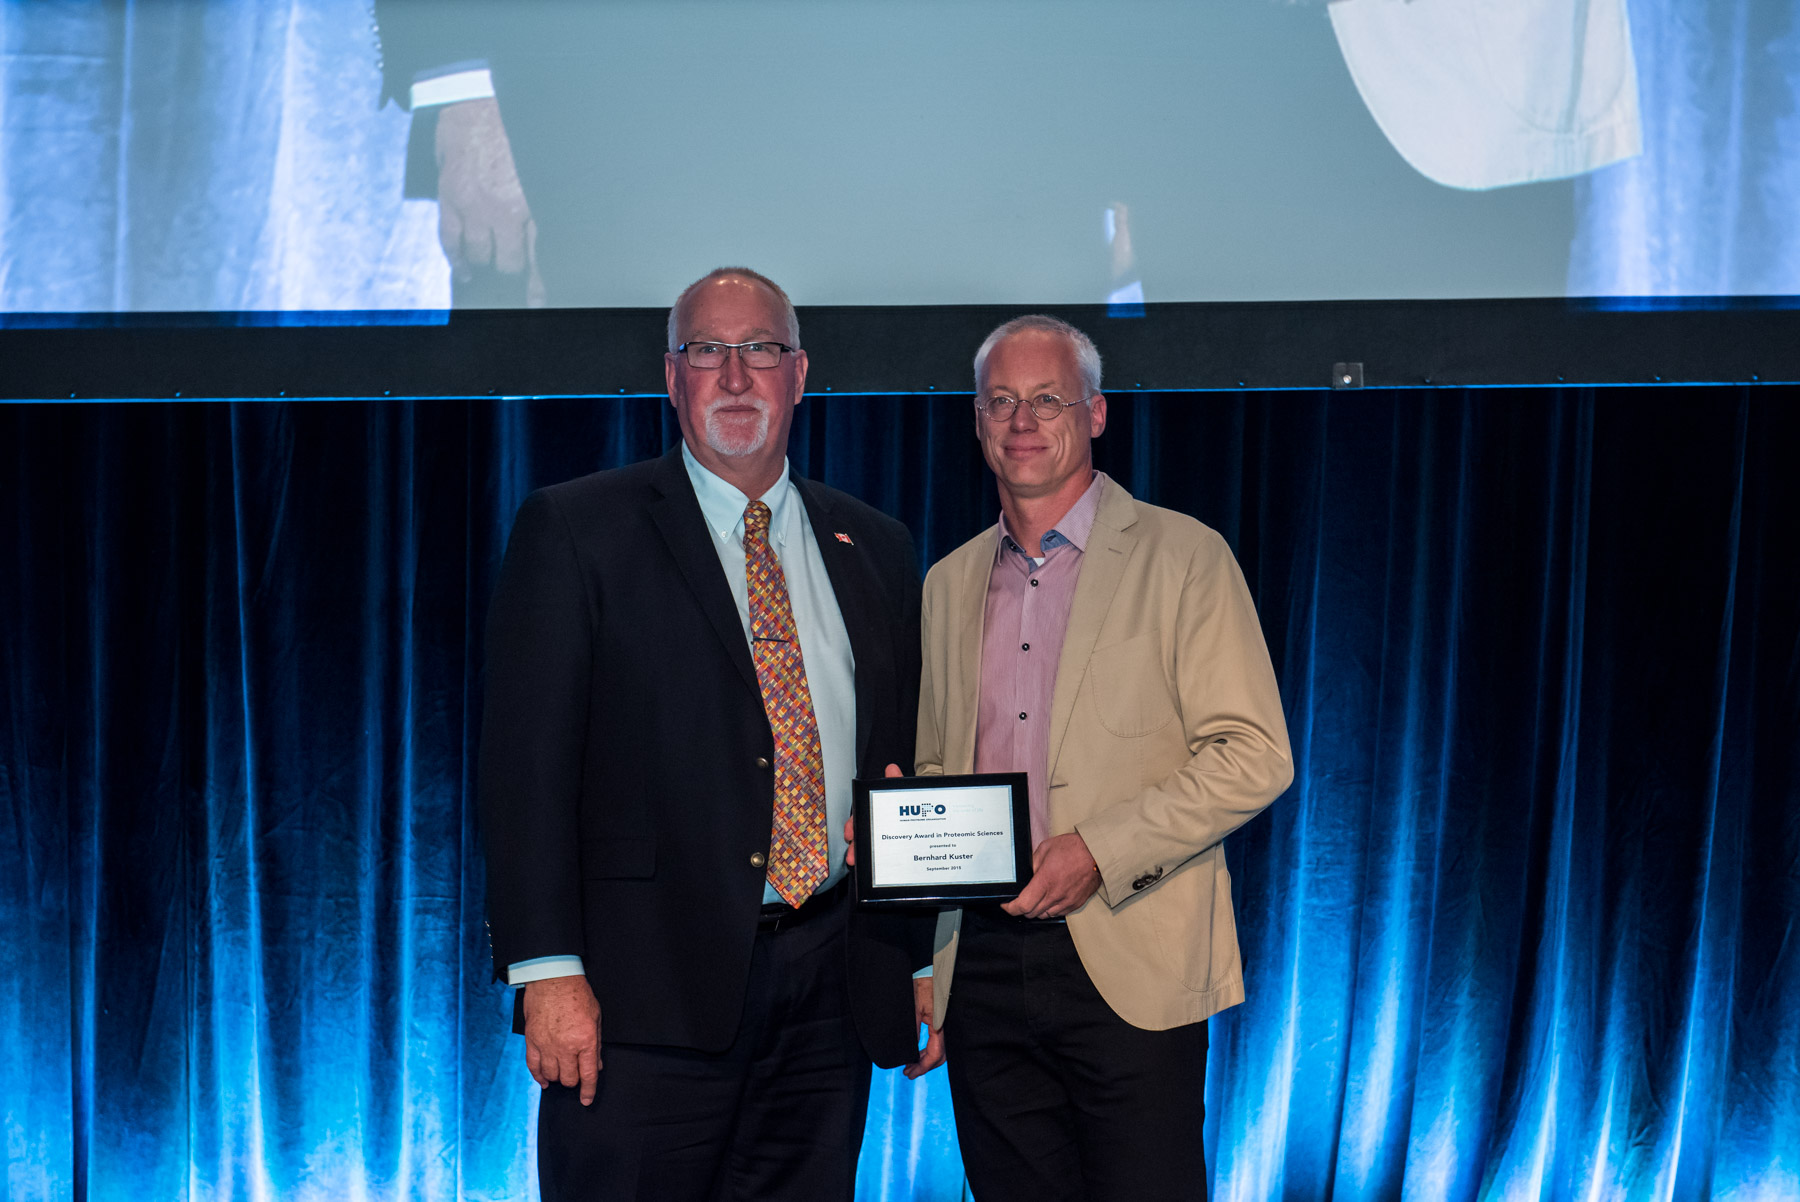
779, 916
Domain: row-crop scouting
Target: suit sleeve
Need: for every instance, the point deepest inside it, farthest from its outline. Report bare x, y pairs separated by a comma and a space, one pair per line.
534, 721
419, 35
1239, 759
907, 646
920, 927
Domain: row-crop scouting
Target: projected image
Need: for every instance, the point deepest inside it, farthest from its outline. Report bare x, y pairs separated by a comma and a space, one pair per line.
177, 155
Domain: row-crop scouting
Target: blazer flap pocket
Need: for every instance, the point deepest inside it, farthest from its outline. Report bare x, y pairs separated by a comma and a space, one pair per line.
1129, 687
618, 856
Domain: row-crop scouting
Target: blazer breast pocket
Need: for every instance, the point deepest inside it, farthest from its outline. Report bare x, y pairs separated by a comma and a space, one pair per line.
1130, 692
614, 858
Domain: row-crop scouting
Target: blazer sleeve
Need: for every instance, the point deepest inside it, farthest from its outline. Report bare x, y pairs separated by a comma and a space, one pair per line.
1238, 755
533, 730
928, 745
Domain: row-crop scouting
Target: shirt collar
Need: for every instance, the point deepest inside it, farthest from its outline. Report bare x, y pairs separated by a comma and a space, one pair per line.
1072, 529
722, 504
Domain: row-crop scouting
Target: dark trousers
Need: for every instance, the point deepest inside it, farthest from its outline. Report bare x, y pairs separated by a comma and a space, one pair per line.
1057, 1098
777, 1115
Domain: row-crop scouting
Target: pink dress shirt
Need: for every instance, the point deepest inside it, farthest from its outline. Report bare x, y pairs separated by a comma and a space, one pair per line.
1022, 631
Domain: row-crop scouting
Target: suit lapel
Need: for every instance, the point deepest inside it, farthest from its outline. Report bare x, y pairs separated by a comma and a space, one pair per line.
858, 597
676, 513
1103, 563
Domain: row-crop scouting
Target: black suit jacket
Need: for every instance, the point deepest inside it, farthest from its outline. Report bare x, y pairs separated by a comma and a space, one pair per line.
539, 54
624, 784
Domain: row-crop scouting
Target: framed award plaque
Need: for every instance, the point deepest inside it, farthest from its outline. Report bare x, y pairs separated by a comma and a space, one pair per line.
937, 840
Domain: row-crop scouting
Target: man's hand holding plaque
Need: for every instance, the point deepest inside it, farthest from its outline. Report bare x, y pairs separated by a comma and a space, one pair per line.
1063, 876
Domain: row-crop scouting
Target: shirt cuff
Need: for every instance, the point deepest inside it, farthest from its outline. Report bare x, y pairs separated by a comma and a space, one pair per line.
452, 87
923, 972
543, 968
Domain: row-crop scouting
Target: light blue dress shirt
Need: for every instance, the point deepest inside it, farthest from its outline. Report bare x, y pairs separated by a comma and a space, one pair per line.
824, 646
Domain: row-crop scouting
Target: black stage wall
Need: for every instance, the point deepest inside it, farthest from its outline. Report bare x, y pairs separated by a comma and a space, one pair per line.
885, 349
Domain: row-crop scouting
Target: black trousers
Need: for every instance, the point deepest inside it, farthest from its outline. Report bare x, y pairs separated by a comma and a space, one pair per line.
1057, 1098
778, 1115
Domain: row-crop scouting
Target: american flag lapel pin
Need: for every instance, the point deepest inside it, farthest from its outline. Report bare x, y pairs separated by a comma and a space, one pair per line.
843, 538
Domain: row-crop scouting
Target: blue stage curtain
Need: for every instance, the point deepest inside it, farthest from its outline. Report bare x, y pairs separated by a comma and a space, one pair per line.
1708, 208
1523, 927
204, 154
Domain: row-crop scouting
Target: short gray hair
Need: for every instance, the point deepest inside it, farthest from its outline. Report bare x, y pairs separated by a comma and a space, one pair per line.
787, 306
1087, 357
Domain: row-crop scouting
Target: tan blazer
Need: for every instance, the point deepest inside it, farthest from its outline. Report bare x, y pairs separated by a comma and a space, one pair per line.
1166, 735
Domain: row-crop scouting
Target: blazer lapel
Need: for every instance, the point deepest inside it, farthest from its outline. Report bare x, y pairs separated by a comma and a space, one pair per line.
677, 516
963, 688
1103, 563
858, 598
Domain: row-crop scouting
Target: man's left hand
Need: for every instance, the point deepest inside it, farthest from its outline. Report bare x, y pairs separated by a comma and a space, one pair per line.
1063, 876
933, 1053
893, 770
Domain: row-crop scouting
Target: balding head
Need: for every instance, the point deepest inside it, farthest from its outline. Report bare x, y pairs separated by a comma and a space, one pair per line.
678, 310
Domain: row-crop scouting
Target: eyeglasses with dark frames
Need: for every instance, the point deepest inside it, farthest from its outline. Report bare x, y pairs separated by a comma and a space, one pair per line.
708, 356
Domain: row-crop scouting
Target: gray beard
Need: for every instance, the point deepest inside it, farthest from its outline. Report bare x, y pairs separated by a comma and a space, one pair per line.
735, 445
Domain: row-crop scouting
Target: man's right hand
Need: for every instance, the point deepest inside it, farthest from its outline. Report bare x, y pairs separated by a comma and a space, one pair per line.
562, 1034
483, 218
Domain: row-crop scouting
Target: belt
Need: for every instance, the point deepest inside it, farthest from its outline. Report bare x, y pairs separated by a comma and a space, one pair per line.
779, 916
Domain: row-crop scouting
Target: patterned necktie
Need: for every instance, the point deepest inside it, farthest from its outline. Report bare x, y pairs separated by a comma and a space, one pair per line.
798, 851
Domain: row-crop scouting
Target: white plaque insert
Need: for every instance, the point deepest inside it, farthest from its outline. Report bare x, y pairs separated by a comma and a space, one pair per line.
943, 836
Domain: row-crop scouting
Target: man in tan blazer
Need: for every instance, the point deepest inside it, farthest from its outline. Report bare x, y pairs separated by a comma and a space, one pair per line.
1108, 649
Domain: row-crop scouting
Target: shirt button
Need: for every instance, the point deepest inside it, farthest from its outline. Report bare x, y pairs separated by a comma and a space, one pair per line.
1021, 716
758, 859
762, 761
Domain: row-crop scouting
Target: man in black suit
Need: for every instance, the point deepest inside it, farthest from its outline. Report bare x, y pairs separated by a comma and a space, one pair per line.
688, 660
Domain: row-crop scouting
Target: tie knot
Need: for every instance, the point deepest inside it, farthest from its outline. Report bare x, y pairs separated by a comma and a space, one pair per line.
756, 520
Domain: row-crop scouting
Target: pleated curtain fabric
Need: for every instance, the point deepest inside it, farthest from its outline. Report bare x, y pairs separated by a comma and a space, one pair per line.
1523, 926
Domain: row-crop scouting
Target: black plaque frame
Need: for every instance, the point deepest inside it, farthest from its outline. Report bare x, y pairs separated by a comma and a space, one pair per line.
868, 894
